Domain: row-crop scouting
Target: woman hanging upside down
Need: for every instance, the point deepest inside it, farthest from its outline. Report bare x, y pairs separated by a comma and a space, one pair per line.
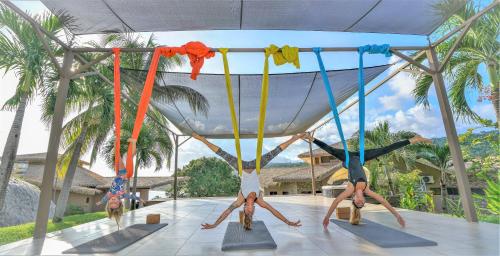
250, 192
117, 192
358, 184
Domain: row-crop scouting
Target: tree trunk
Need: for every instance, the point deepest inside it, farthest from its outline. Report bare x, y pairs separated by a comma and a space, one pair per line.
62, 200
134, 187
444, 192
10, 149
492, 73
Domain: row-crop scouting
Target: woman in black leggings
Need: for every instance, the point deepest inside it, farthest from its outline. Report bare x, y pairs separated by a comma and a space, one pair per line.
358, 183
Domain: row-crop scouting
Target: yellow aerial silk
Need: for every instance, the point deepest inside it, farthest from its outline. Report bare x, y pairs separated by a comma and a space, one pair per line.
286, 55
230, 100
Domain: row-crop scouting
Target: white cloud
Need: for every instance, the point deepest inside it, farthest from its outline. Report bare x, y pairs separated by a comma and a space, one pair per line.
401, 85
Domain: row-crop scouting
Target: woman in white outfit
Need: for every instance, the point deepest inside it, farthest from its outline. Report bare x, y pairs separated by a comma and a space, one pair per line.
250, 193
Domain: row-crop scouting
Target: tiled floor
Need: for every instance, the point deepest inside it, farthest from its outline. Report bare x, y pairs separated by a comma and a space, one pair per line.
183, 235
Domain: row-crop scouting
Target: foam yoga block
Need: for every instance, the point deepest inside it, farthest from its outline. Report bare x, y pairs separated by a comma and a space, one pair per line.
153, 219
237, 238
343, 213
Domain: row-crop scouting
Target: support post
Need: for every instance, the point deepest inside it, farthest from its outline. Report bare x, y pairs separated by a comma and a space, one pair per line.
176, 154
49, 171
451, 133
313, 177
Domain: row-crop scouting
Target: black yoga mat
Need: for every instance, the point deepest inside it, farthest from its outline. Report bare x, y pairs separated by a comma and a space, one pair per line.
383, 236
237, 238
117, 240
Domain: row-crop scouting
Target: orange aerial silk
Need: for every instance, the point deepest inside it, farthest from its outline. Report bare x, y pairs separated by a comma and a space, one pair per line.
117, 91
196, 51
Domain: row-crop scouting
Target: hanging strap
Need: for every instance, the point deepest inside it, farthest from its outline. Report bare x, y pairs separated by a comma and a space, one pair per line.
371, 49
333, 105
281, 56
229, 90
117, 93
196, 52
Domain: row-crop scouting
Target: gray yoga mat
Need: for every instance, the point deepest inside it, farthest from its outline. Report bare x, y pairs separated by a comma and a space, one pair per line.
237, 238
117, 240
383, 236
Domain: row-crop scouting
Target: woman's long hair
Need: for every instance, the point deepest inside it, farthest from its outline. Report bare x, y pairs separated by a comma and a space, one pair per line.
115, 213
355, 217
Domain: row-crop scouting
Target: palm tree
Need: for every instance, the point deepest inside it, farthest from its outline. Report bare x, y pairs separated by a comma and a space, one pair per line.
438, 155
23, 53
479, 48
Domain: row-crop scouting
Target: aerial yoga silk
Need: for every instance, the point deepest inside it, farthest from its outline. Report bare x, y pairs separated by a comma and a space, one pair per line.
196, 51
117, 93
234, 122
371, 49
331, 99
281, 56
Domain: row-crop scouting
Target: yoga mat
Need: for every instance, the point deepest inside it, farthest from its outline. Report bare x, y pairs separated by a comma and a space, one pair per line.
117, 240
383, 236
237, 238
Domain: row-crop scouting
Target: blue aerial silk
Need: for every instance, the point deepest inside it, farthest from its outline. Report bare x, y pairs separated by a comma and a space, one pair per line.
371, 49
333, 105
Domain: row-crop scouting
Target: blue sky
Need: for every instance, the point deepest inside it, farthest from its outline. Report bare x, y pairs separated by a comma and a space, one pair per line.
393, 101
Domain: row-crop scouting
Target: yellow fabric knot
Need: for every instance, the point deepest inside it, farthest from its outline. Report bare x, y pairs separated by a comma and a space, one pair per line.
287, 54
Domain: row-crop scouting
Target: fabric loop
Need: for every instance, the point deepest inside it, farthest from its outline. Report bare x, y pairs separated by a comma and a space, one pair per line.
281, 56
116, 98
234, 121
196, 51
371, 49
331, 100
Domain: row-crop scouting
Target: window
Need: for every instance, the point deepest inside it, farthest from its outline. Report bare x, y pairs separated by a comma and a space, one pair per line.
87, 200
272, 193
285, 192
21, 167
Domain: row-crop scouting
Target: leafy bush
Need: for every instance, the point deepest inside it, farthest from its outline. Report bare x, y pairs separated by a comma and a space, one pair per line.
210, 177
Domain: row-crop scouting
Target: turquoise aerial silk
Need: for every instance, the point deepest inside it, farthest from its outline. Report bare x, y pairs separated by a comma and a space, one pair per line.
371, 49
333, 105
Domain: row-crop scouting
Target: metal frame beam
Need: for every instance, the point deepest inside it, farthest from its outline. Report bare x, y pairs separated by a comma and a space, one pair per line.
451, 133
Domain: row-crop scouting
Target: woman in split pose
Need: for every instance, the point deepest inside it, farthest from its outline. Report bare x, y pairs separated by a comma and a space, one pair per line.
358, 183
250, 193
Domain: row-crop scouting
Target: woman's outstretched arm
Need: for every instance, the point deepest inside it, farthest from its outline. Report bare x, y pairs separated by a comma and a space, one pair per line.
266, 158
374, 153
386, 204
345, 194
230, 159
276, 213
239, 201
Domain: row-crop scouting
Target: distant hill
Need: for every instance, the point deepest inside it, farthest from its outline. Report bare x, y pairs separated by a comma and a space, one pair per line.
479, 150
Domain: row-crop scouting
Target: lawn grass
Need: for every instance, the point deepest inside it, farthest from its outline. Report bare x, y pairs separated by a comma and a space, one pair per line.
23, 231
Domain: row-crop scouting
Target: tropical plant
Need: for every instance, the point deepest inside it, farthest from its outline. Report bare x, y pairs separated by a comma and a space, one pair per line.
412, 196
210, 177
22, 53
478, 49
439, 155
